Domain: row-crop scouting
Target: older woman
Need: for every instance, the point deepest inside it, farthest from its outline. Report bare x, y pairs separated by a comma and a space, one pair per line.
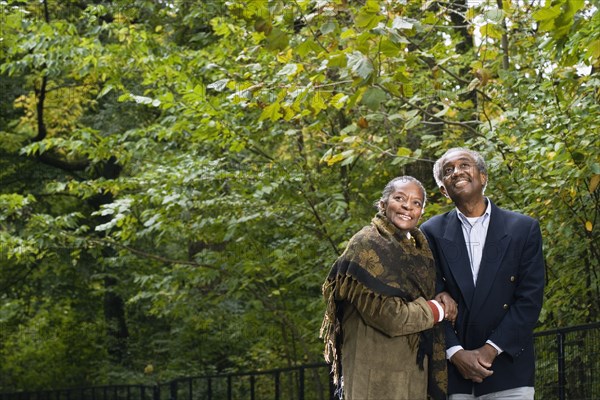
377, 326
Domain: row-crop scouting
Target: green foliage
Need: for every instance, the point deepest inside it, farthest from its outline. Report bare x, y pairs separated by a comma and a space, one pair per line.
177, 177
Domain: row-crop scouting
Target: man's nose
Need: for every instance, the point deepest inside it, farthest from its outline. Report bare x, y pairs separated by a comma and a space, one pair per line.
456, 171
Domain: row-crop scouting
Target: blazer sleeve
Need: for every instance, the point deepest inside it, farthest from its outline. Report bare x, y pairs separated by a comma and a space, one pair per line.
516, 327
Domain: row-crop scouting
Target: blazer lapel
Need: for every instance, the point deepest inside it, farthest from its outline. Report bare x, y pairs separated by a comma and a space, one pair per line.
455, 252
496, 243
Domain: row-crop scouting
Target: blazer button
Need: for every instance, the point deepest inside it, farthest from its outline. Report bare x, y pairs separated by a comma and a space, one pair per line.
512, 278
505, 306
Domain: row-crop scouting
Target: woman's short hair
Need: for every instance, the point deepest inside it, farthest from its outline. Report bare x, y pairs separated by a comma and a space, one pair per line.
391, 185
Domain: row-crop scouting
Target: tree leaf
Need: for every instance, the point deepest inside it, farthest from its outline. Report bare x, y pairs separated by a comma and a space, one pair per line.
373, 98
360, 64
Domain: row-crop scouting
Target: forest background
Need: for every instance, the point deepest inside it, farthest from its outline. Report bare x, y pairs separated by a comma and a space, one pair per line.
177, 176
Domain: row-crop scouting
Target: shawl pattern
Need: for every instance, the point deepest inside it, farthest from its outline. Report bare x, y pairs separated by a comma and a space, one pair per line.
381, 261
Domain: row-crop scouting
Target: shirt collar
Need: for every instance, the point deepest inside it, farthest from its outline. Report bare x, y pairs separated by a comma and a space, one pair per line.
465, 220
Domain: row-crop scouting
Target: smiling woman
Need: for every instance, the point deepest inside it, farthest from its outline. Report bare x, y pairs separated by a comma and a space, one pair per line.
377, 309
403, 202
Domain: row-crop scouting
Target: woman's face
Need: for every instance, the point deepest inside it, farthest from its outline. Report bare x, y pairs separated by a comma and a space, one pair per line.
404, 206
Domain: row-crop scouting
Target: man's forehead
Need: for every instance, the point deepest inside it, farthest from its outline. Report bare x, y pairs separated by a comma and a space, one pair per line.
458, 156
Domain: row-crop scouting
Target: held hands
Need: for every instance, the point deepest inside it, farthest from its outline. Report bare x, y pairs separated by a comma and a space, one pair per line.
475, 364
448, 304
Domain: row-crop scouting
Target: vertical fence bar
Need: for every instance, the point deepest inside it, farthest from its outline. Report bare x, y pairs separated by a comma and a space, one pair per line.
190, 389
252, 387
301, 384
229, 391
173, 390
277, 386
209, 388
560, 337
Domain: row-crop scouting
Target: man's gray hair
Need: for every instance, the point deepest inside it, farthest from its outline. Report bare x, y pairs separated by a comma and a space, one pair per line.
438, 171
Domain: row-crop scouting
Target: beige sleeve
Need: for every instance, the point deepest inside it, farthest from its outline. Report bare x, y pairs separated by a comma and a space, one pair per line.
394, 317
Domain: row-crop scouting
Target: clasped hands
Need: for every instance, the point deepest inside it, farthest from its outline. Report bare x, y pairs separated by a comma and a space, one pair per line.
475, 364
472, 364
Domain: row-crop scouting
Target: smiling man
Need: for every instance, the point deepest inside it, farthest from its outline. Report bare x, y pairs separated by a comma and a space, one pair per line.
491, 263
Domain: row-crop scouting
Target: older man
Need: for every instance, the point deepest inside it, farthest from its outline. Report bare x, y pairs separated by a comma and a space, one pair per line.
491, 263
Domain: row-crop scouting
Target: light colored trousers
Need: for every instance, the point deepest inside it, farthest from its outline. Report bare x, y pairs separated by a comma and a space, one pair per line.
520, 393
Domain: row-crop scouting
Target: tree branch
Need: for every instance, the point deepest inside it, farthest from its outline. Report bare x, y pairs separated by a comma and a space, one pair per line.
151, 256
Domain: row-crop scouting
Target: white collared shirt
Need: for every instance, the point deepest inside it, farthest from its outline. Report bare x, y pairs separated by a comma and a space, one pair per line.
475, 232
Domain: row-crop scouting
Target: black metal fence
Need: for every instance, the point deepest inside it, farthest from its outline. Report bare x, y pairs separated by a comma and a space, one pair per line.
568, 363
567, 368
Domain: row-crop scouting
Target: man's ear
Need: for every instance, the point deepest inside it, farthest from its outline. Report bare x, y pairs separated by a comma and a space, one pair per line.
444, 192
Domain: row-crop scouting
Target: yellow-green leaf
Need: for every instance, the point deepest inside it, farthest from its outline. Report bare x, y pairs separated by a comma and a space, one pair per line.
588, 226
594, 182
271, 112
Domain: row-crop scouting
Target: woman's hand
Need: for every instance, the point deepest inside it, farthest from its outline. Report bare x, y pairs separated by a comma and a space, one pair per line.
449, 305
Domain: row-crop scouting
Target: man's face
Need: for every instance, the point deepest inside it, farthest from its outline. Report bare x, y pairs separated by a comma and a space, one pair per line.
461, 178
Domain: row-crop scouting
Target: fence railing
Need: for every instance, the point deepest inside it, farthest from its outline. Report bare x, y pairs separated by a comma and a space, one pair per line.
567, 368
568, 363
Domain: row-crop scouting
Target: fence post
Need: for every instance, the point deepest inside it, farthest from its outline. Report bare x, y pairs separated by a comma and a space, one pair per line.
301, 384
173, 390
156, 394
277, 385
229, 392
560, 336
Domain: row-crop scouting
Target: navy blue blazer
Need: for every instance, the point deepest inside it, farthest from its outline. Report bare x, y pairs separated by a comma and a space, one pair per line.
505, 304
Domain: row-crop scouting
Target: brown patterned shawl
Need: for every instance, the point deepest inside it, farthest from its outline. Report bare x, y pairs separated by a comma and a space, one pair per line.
382, 261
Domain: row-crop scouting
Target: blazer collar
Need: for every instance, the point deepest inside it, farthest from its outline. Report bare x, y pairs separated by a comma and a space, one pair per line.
496, 244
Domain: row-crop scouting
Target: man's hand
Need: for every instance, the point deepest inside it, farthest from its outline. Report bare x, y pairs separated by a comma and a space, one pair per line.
449, 305
475, 364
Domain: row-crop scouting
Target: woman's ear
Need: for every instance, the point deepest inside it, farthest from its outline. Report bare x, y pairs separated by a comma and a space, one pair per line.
381, 205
